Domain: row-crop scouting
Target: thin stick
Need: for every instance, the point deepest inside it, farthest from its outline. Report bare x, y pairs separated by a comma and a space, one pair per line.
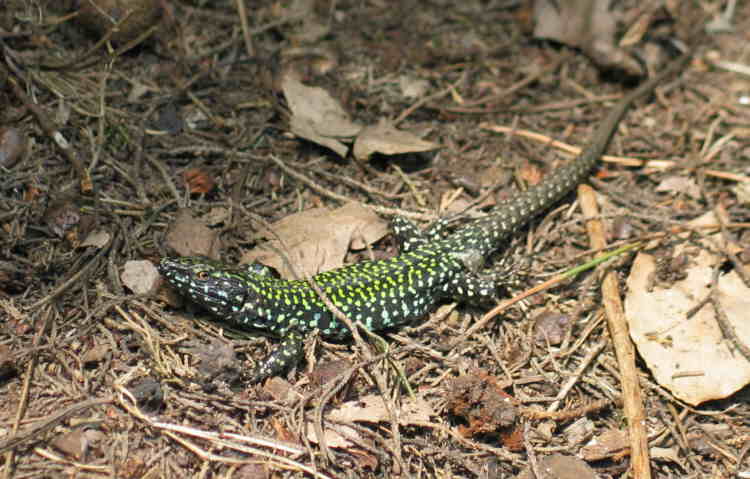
326, 192
624, 349
73, 280
620, 160
246, 35
34, 432
54, 134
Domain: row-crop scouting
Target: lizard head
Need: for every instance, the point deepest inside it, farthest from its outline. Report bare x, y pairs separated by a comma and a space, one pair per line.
212, 284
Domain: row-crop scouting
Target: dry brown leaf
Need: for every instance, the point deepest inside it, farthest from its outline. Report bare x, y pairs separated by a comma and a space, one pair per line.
132, 17
318, 239
13, 146
311, 29
311, 26
62, 216
97, 239
413, 87
305, 128
198, 181
611, 443
666, 454
280, 389
560, 466
216, 215
339, 436
73, 443
369, 409
551, 327
372, 409
385, 139
586, 24
316, 116
189, 236
7, 364
578, 432
742, 191
679, 184
690, 356
140, 277
96, 354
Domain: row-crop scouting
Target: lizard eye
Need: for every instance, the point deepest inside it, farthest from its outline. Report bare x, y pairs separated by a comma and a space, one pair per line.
202, 275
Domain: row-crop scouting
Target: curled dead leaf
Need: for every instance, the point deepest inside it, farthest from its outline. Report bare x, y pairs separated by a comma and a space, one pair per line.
198, 181
318, 239
316, 115
384, 138
12, 146
586, 24
131, 18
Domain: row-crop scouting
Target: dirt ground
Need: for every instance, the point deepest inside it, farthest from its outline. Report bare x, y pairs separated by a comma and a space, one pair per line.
176, 133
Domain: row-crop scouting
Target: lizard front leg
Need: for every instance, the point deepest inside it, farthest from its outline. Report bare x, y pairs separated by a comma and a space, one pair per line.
286, 354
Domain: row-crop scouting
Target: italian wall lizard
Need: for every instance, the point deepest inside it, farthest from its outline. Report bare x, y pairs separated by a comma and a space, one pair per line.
387, 293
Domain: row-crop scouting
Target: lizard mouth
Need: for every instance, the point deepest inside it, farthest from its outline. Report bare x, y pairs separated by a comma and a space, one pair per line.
213, 289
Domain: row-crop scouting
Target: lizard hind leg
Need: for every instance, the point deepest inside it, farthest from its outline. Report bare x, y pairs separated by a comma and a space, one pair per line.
471, 259
471, 287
